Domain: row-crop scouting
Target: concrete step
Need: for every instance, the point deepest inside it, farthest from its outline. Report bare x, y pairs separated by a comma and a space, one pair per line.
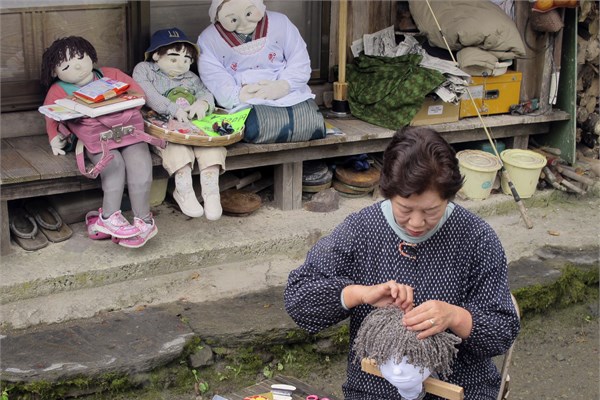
189, 257
196, 284
199, 260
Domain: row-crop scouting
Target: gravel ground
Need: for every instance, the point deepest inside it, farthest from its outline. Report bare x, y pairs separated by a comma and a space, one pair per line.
555, 357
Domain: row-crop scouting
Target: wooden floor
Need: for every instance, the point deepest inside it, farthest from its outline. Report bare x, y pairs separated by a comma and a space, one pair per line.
302, 389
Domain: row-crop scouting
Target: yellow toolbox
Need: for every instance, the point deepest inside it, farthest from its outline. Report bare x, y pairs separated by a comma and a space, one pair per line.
492, 94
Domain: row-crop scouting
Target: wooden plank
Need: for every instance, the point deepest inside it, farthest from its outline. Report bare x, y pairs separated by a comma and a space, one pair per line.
37, 151
433, 386
14, 168
30, 158
533, 63
47, 187
5, 247
287, 186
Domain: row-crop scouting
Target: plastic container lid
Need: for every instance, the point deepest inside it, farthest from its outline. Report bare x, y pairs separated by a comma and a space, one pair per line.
478, 160
525, 159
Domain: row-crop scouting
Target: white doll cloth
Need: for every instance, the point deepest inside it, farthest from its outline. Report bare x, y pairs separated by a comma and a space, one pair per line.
214, 6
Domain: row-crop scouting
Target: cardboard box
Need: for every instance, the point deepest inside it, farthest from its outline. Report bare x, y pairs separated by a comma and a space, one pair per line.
492, 95
435, 112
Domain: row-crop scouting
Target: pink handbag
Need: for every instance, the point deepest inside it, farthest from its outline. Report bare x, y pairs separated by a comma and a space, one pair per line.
107, 132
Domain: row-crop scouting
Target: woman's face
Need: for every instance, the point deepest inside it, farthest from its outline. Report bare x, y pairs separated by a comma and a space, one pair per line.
77, 70
239, 16
418, 213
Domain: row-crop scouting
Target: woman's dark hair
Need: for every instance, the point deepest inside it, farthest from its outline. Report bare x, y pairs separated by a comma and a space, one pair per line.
179, 46
419, 159
58, 52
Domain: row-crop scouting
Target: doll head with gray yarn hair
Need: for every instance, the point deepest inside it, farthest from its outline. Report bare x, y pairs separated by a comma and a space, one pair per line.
382, 337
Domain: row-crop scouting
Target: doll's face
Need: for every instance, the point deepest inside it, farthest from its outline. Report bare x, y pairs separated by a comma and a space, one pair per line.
239, 16
175, 62
404, 376
77, 69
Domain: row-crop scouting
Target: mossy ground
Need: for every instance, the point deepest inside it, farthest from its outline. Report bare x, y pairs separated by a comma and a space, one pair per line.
241, 367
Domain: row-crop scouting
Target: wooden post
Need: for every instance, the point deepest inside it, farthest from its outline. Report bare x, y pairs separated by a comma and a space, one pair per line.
340, 87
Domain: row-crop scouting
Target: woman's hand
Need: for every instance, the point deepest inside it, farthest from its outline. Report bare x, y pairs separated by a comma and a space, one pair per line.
381, 295
434, 316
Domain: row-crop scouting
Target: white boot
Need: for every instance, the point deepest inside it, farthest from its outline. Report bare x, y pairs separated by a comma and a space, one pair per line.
209, 180
184, 193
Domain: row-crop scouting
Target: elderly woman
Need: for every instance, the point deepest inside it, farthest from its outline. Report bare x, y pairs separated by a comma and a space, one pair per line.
443, 266
257, 57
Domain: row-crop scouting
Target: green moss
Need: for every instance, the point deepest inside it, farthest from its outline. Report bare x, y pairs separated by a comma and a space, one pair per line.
575, 285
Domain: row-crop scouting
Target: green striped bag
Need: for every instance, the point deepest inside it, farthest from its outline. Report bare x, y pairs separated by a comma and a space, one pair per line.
298, 123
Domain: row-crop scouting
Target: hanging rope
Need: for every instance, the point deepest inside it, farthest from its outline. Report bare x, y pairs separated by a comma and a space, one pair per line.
503, 170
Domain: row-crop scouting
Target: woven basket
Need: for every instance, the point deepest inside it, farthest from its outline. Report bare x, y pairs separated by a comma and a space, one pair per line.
192, 139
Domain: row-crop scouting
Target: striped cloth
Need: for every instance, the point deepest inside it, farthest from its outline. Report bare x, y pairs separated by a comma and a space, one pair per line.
298, 123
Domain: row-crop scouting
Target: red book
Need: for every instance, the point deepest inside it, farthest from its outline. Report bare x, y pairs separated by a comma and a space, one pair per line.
100, 90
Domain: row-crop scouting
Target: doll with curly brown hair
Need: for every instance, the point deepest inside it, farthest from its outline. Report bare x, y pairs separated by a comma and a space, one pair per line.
67, 65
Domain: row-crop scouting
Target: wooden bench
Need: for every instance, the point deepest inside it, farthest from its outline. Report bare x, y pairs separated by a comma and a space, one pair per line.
29, 169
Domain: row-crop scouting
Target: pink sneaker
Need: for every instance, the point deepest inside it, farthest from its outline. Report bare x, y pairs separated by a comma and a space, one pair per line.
91, 219
116, 225
147, 232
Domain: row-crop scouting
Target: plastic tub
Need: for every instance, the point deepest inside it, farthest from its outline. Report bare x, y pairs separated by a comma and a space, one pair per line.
479, 169
524, 168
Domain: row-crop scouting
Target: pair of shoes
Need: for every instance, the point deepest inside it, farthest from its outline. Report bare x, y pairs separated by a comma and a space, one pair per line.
188, 203
48, 220
91, 219
147, 232
25, 231
116, 225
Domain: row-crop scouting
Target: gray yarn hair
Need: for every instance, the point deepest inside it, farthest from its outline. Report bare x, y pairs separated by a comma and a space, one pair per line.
382, 337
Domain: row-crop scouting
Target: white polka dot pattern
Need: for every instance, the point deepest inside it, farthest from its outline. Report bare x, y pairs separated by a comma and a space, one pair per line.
462, 264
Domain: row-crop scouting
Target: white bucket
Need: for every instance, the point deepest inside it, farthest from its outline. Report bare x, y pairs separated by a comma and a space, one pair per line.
524, 168
479, 169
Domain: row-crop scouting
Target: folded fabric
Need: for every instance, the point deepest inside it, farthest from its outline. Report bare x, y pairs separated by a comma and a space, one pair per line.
389, 91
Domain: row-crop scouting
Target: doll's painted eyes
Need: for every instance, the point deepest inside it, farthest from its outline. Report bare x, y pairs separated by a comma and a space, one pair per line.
249, 13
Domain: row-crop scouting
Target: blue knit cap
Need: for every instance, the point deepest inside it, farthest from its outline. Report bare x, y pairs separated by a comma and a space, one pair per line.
165, 37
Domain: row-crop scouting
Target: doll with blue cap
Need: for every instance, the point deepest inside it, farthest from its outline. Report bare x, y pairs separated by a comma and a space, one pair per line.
172, 89
258, 57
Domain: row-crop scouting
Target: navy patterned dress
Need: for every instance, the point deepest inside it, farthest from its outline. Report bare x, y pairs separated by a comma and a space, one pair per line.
463, 263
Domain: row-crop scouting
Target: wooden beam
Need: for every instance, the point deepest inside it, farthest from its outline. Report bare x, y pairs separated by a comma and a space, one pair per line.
432, 385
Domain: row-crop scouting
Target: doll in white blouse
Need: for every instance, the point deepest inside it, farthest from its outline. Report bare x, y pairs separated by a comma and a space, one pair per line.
258, 57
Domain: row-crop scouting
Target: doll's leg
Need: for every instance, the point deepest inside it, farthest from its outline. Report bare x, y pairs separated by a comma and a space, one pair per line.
111, 221
178, 159
211, 162
138, 164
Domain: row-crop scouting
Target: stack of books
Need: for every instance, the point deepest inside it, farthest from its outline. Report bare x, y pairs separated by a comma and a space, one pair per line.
99, 97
